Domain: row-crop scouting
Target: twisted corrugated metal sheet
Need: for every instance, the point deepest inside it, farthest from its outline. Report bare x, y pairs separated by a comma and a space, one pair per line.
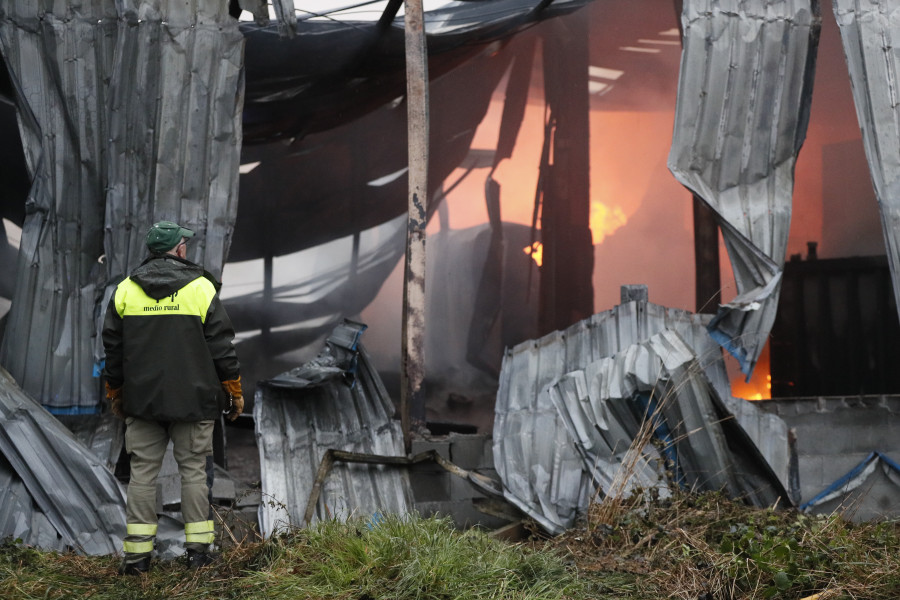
870, 30
660, 381
535, 457
176, 97
744, 94
336, 401
54, 493
542, 465
130, 113
60, 56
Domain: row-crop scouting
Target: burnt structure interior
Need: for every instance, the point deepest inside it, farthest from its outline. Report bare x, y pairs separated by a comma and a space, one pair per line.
837, 332
319, 153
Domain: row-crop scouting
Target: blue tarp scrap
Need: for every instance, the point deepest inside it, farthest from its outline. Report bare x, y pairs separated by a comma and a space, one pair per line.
852, 479
661, 432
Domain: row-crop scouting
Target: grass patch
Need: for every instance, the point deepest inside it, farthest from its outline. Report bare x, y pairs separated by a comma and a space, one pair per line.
398, 558
700, 547
407, 558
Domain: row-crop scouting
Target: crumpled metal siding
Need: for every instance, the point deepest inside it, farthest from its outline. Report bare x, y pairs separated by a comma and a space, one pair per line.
534, 455
600, 407
55, 493
770, 435
537, 459
869, 31
744, 93
130, 113
305, 412
20, 518
176, 97
59, 55
57, 488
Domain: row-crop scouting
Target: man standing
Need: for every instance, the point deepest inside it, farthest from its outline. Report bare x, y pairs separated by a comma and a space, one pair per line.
171, 370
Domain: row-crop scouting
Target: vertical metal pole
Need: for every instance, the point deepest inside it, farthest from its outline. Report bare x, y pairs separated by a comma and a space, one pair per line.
268, 266
708, 283
412, 373
354, 258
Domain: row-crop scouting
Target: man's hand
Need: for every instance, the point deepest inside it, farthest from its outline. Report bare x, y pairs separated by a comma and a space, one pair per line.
232, 389
114, 395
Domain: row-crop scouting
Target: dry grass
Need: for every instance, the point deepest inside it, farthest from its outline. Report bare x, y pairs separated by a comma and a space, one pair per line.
689, 546
704, 546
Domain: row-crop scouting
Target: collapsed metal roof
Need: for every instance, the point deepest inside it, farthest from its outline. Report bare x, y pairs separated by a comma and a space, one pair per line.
347, 58
57, 487
543, 449
334, 402
744, 93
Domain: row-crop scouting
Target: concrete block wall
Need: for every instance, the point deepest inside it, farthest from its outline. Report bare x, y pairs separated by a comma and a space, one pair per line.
439, 492
833, 435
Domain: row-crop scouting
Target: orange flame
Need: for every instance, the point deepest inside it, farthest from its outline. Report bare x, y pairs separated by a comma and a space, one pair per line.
760, 385
605, 221
536, 251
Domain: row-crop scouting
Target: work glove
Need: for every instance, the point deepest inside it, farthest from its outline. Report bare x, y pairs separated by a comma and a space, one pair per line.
114, 395
232, 389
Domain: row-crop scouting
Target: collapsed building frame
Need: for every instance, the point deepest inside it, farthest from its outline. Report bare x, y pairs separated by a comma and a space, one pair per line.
743, 105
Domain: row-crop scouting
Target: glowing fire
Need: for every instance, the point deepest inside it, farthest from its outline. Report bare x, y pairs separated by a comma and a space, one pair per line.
752, 390
760, 385
605, 221
536, 251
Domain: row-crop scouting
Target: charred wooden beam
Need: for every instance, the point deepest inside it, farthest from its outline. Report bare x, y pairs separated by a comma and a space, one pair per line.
567, 293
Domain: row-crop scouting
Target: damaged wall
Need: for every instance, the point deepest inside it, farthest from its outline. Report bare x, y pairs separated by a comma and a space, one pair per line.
825, 453
60, 57
129, 114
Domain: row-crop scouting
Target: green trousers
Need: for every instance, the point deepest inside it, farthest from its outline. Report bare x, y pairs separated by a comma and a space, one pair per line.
146, 443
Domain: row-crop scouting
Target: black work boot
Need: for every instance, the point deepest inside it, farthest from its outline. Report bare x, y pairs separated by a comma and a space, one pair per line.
197, 558
136, 567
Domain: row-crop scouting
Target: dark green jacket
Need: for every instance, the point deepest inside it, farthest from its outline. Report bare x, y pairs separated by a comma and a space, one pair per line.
169, 343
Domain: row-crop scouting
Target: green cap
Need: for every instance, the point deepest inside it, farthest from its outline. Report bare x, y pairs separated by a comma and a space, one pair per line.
165, 235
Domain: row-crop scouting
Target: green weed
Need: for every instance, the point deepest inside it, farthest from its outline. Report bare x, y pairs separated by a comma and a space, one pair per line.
410, 558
